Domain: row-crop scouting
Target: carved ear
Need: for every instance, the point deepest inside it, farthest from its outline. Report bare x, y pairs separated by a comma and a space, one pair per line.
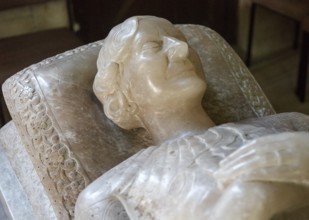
124, 114
113, 108
121, 111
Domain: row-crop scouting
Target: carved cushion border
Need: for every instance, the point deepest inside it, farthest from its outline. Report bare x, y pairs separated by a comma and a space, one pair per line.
256, 99
61, 173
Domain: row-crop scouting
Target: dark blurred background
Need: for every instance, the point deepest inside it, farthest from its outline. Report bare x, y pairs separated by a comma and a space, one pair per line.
97, 17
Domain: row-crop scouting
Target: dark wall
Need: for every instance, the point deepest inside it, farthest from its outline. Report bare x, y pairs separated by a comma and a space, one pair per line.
97, 17
7, 4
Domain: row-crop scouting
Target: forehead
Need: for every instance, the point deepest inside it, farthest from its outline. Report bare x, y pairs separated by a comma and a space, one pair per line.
156, 29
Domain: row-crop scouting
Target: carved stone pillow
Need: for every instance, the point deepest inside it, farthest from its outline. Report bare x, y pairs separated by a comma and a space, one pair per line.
66, 133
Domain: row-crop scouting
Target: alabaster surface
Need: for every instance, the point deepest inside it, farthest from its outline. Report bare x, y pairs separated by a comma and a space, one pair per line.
68, 137
13, 201
184, 179
149, 76
29, 199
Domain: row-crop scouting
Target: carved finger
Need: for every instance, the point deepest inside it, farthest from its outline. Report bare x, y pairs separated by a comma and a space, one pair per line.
259, 146
247, 164
271, 149
240, 153
283, 174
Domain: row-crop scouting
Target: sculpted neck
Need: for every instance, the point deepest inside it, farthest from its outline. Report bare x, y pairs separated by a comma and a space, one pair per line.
176, 123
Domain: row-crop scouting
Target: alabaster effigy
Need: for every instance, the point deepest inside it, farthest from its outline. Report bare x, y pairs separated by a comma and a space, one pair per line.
60, 139
149, 77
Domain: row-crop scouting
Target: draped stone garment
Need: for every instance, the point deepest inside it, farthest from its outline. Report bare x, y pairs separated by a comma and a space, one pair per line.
175, 180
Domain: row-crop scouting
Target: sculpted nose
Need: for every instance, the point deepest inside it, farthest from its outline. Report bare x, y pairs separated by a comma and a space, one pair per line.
176, 49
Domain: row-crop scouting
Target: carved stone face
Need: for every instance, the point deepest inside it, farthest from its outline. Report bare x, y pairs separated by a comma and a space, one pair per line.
160, 69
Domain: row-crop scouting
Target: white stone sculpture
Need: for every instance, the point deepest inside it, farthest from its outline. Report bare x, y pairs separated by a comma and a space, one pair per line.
256, 169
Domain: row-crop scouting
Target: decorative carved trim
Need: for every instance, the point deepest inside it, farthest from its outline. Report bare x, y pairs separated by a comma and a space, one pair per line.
246, 82
57, 166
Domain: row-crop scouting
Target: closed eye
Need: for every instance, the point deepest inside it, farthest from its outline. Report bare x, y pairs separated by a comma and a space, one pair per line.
152, 47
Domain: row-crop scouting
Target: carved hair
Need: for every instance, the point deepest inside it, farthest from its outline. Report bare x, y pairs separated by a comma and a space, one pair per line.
108, 86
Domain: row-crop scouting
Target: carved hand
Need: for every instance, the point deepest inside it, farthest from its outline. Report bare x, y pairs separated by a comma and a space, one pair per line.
278, 158
261, 172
